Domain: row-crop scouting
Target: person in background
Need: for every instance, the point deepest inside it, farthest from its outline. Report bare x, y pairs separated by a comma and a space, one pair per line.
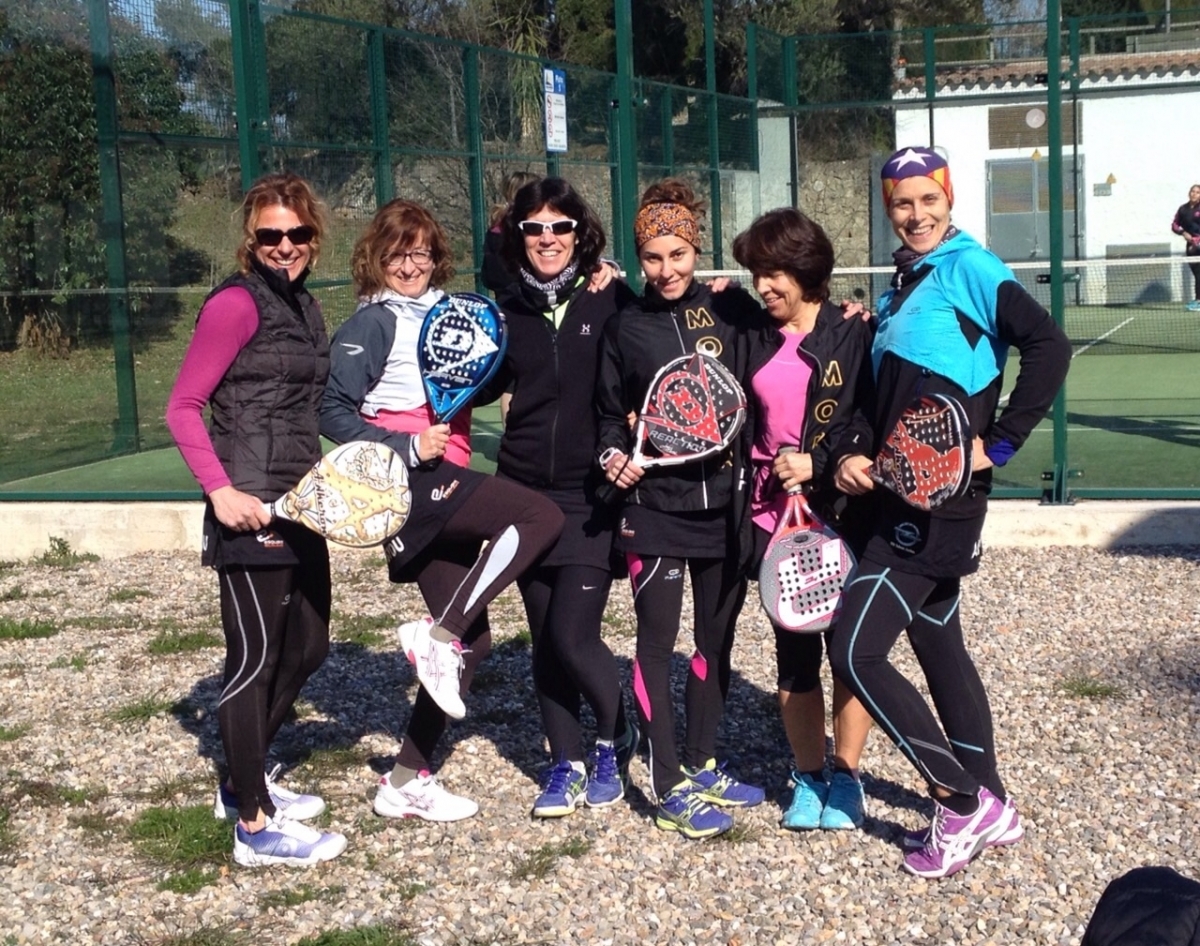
805, 375
259, 358
496, 271
375, 392
1187, 225
945, 327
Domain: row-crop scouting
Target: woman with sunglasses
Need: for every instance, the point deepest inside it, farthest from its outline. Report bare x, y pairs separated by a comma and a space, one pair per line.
260, 357
678, 517
552, 240
375, 393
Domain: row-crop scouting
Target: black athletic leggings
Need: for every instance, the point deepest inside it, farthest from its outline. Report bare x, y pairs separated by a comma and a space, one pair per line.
878, 605
658, 602
458, 583
276, 623
571, 662
1193, 251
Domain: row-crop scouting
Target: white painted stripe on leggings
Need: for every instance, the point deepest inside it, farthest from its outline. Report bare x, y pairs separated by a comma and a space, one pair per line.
227, 693
501, 552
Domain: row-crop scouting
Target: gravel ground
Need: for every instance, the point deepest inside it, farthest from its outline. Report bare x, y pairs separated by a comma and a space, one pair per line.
1090, 659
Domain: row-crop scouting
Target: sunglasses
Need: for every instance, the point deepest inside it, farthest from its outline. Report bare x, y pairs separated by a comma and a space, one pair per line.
299, 236
538, 227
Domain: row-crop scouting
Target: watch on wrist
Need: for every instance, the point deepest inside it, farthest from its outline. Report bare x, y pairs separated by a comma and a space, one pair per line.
606, 457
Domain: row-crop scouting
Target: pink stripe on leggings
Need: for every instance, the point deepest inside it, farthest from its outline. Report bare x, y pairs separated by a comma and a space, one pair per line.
639, 692
699, 665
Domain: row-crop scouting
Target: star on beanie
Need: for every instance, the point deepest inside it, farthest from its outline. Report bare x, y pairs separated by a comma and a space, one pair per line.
915, 162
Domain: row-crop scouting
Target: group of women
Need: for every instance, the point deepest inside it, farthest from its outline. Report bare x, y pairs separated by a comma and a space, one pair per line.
569, 509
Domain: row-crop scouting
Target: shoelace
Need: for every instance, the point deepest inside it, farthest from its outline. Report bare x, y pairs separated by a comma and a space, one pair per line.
936, 828
604, 763
558, 779
692, 804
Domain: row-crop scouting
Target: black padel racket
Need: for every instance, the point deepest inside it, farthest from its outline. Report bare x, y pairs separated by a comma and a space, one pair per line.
926, 459
355, 495
694, 408
804, 569
461, 345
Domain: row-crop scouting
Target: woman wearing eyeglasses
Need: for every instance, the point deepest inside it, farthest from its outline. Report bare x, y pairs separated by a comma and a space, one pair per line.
375, 393
556, 312
259, 357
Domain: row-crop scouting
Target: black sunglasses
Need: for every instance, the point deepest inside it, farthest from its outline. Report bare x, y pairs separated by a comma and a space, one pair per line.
299, 236
538, 227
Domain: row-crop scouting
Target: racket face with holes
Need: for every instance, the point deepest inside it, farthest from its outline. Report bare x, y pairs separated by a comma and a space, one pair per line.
461, 345
694, 408
803, 572
356, 495
926, 459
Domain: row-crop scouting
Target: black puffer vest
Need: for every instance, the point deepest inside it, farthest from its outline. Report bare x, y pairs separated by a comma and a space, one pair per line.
265, 411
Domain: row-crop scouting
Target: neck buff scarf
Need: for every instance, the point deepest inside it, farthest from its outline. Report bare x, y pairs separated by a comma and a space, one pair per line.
664, 219
549, 294
907, 260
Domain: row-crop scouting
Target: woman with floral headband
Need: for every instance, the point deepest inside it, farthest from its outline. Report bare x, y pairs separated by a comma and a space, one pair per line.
679, 517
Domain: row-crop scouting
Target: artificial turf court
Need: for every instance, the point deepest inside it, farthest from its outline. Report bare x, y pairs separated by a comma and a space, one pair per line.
1132, 410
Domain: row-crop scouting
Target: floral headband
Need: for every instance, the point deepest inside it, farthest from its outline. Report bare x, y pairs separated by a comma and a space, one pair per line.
665, 219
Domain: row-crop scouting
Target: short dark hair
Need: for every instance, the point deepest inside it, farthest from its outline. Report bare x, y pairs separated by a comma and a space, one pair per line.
786, 241
560, 196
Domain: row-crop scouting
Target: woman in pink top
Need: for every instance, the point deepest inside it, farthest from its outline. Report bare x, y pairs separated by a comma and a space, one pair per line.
805, 377
375, 393
259, 359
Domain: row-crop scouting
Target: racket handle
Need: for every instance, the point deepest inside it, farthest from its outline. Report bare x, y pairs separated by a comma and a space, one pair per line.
269, 508
788, 448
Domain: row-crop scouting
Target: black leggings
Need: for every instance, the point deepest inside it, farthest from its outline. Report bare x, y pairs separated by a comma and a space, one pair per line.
276, 623
658, 602
1194, 265
878, 605
571, 662
458, 583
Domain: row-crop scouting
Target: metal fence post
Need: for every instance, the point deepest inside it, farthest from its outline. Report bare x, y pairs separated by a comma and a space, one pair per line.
250, 85
626, 199
385, 183
930, 75
474, 159
112, 228
714, 133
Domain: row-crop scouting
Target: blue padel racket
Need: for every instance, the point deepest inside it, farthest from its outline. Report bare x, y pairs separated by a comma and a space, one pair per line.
461, 345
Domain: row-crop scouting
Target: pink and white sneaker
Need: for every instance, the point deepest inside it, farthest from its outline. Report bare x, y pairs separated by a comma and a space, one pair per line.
421, 797
955, 839
439, 665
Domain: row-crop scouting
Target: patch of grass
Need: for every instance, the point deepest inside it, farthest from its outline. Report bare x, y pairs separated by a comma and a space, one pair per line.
360, 936
143, 709
11, 630
182, 839
42, 794
537, 864
740, 834
1086, 687
191, 880
8, 837
61, 555
8, 565
15, 593
129, 594
76, 662
171, 789
94, 823
96, 622
365, 630
13, 733
302, 894
326, 763
182, 642
204, 936
522, 640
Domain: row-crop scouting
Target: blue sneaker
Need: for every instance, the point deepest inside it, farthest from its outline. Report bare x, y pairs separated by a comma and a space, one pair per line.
846, 805
718, 788
1194, 305
605, 786
289, 805
563, 787
808, 802
627, 747
684, 809
285, 842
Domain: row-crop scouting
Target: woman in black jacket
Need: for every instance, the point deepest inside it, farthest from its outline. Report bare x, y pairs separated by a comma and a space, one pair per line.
680, 517
552, 240
804, 377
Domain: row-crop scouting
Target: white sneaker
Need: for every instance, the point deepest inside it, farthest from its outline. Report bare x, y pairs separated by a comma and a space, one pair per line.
285, 842
289, 805
439, 665
421, 797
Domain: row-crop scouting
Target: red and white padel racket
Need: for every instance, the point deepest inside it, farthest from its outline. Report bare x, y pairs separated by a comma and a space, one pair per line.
694, 408
926, 459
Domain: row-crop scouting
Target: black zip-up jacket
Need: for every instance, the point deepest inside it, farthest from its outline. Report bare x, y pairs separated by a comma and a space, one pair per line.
1187, 221
646, 335
549, 439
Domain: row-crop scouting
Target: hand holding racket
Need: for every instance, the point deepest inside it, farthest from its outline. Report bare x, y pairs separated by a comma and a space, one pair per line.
804, 569
355, 495
460, 347
926, 459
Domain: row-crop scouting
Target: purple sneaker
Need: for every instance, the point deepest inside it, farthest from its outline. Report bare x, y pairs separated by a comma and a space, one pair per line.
955, 839
1012, 831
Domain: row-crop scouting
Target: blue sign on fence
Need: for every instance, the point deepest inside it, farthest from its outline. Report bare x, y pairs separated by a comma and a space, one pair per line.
554, 82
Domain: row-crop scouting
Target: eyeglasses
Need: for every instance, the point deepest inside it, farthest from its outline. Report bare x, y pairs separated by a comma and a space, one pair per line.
420, 257
536, 228
299, 236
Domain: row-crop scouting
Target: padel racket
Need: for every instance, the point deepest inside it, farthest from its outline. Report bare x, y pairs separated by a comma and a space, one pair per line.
355, 495
694, 408
926, 459
461, 345
803, 570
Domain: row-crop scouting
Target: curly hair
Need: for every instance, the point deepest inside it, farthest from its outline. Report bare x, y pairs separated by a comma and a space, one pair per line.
398, 226
561, 197
282, 189
674, 190
786, 241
